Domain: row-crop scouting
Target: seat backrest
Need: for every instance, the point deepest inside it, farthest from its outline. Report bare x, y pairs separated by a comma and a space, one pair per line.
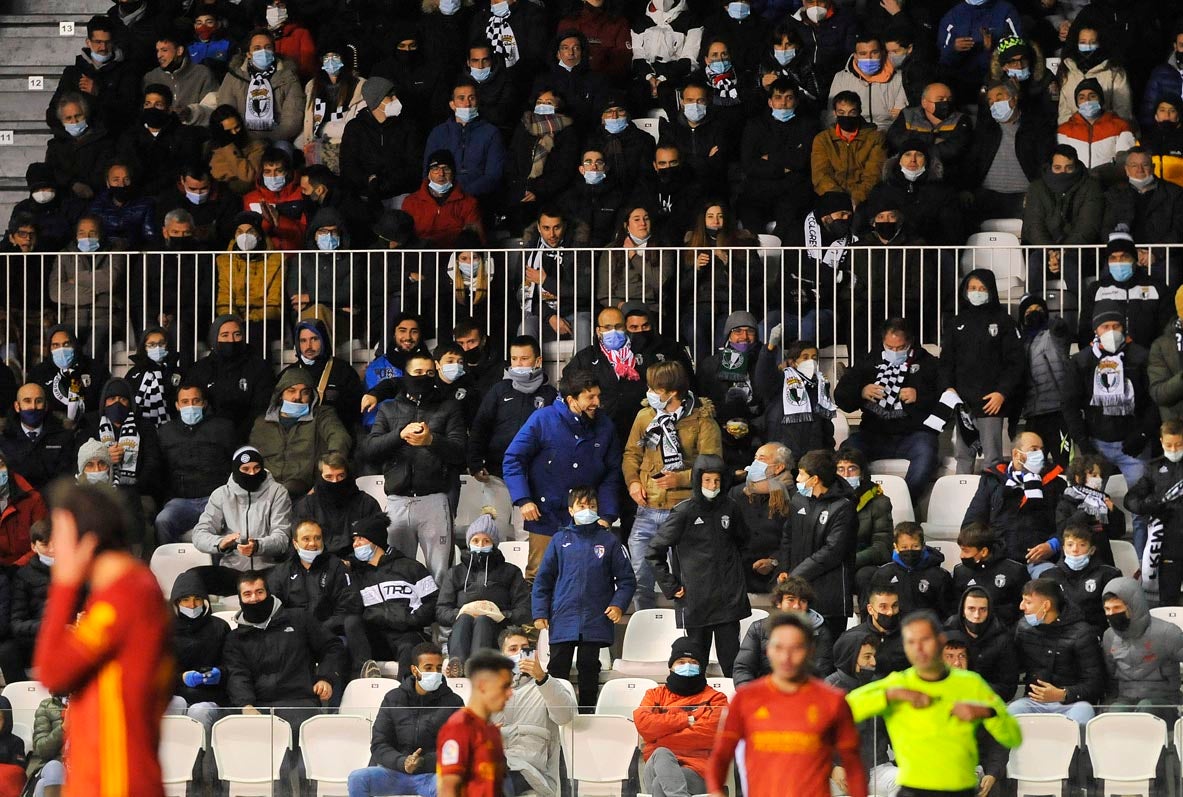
620, 696
516, 552
950, 550
896, 490
169, 561
1013, 226
1125, 556
1125, 745
950, 498
1001, 253
724, 685
228, 616
363, 696
462, 687
375, 486
181, 739
1049, 740
649, 635
650, 126
475, 495
25, 697
332, 746
1172, 614
250, 749
599, 748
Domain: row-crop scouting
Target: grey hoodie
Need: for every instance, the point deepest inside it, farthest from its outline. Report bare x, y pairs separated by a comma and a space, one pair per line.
1144, 659
530, 730
264, 515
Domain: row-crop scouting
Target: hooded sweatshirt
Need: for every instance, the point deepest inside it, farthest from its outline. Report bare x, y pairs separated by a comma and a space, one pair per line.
237, 382
1143, 660
198, 643
264, 515
922, 585
991, 647
873, 741
981, 351
12, 747
81, 382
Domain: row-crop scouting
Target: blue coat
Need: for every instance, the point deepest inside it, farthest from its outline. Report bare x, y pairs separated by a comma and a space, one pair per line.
585, 571
1166, 80
555, 451
478, 150
963, 20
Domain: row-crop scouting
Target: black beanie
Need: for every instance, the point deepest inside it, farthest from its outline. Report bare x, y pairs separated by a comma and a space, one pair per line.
373, 528
685, 648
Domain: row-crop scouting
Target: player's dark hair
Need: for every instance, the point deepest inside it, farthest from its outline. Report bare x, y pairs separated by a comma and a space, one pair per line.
97, 509
794, 619
574, 383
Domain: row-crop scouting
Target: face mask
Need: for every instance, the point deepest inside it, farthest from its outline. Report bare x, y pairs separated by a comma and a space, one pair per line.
1121, 271
75, 129
655, 401
887, 230
1173, 456
33, 418
63, 358
158, 355
1001, 111
204, 32
804, 490
888, 622
853, 481
784, 57
616, 125
839, 228
974, 627
1077, 562
1032, 619
1085, 49
711, 495
713, 228
613, 339
1019, 74
102, 477
638, 242
258, 612
1118, 622
197, 198
807, 368
898, 60
393, 108
439, 188
449, 7
977, 298
1111, 341
585, 517
816, 13
229, 349
1036, 319
1090, 109
912, 175
249, 482
275, 182
594, 177
154, 118
1094, 482
911, 558
192, 612
1034, 462
522, 372
1142, 183
849, 124
544, 109
869, 66
757, 471
719, 67
479, 75
695, 112
294, 409
480, 548
332, 65
500, 9
739, 10
88, 245
969, 562
262, 59
308, 557
363, 553
191, 416
246, 241
783, 114
942, 108
452, 371
466, 115
327, 241
276, 16
418, 386
688, 670
44, 197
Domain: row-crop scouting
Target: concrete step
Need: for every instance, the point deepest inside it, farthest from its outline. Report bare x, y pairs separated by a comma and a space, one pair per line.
20, 82
68, 9
78, 18
35, 52
23, 106
36, 28
14, 160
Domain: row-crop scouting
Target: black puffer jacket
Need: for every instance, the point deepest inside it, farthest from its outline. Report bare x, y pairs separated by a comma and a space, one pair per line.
1002, 578
981, 351
335, 514
992, 653
197, 458
417, 470
922, 374
198, 644
752, 661
30, 590
1064, 653
1019, 522
484, 577
386, 151
819, 543
1083, 589
1086, 421
324, 590
238, 387
707, 538
926, 586
502, 412
397, 733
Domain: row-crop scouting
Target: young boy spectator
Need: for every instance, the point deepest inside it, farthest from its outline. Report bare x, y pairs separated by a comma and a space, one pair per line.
990, 642
856, 665
199, 640
791, 595
581, 590
1082, 575
915, 571
1085, 502
882, 623
1142, 652
1155, 495
983, 564
30, 589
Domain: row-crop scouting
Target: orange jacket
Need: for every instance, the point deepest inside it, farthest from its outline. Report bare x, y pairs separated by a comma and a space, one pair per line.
663, 720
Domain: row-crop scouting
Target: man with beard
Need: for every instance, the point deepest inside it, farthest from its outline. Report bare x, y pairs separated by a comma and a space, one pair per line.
671, 192
236, 381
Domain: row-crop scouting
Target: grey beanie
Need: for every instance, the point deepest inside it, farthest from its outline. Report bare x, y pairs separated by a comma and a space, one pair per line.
92, 449
484, 524
740, 318
376, 89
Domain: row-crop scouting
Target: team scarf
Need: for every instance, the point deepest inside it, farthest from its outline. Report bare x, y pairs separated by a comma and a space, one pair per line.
834, 253
1091, 502
726, 87
798, 408
1030, 483
149, 399
128, 437
623, 360
260, 101
1112, 392
662, 432
500, 35
891, 379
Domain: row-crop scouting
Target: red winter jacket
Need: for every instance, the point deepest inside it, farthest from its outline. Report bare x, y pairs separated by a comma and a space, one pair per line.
663, 720
287, 232
294, 42
609, 40
25, 506
439, 225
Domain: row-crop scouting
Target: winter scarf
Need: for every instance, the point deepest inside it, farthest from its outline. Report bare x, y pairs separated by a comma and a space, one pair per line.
663, 431
795, 397
543, 129
128, 437
500, 35
1112, 392
1030, 483
624, 362
891, 379
834, 253
1092, 502
260, 101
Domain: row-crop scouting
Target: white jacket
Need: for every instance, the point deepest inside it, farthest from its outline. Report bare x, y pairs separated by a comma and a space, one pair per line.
1114, 83
264, 515
530, 730
660, 43
879, 99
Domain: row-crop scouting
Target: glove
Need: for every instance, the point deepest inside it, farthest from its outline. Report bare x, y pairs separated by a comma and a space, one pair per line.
212, 677
1134, 444
192, 679
776, 336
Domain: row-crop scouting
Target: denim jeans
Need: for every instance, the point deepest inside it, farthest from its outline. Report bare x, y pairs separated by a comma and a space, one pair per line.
645, 527
177, 517
919, 448
1132, 468
1079, 712
380, 782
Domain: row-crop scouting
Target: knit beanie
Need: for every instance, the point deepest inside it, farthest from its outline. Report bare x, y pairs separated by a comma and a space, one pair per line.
92, 449
485, 524
684, 648
373, 528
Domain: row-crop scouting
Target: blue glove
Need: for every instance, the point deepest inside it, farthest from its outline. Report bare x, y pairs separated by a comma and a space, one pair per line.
192, 679
212, 677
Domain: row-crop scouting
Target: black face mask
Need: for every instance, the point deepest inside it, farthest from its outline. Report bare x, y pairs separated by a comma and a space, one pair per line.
864, 676
639, 340
32, 418
1118, 622
911, 558
154, 118
220, 137
249, 482
849, 124
1060, 182
686, 685
258, 612
974, 628
120, 193
1035, 320
179, 243
408, 58
970, 562
888, 622
942, 108
418, 386
669, 174
838, 228
229, 349
887, 230
334, 491
117, 413
473, 356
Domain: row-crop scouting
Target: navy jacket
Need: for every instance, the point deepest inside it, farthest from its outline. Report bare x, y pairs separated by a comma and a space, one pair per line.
585, 570
962, 20
478, 150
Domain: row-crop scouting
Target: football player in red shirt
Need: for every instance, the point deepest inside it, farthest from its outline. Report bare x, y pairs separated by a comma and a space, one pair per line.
470, 760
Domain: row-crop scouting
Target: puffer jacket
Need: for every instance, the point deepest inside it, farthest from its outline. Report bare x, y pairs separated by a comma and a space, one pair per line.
1064, 653
923, 374
818, 544
992, 653
408, 721
264, 515
439, 224
1147, 301
1097, 143
926, 586
879, 96
198, 643
873, 509
1085, 421
705, 539
966, 20
484, 577
323, 589
698, 434
663, 720
1073, 217
1047, 363
1115, 85
25, 507
129, 226
752, 661
49, 733
665, 43
1002, 578
1146, 495
30, 591
80, 160
1154, 216
981, 351
503, 410
288, 97
852, 167
1143, 660
1165, 371
291, 451
530, 726
1082, 588
928, 204
291, 223
250, 284
398, 594
1166, 80
1019, 522
417, 470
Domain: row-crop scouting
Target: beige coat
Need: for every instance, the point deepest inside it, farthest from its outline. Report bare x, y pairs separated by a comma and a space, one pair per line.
698, 433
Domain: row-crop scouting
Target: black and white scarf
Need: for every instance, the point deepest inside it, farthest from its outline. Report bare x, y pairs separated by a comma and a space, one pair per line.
795, 401
891, 379
833, 254
128, 438
1091, 502
726, 87
951, 407
663, 431
149, 399
1030, 483
500, 36
1112, 392
260, 101
322, 114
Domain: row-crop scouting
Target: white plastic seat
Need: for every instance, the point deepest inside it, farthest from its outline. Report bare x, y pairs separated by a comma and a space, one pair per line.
1001, 253
950, 497
890, 467
647, 641
461, 686
170, 560
1124, 748
249, 750
516, 553
1125, 556
476, 495
25, 697
181, 740
1013, 226
1172, 614
1042, 761
1116, 488
375, 486
598, 751
228, 616
363, 696
951, 552
724, 685
896, 489
332, 746
841, 429
543, 648
650, 126
555, 356
620, 696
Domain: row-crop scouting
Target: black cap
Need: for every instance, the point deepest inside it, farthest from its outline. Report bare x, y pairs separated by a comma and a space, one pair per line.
685, 648
442, 157
248, 217
372, 528
39, 175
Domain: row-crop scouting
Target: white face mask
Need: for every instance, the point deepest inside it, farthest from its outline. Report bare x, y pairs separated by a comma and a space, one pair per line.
816, 13
710, 493
977, 298
1094, 482
192, 613
246, 241
1111, 341
1173, 456
807, 368
393, 108
1034, 462
44, 196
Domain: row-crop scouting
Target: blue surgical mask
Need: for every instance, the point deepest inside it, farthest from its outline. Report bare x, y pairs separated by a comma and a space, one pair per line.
101, 58
853, 481
500, 9
327, 241
439, 188
452, 371
191, 416
88, 245
976, 2
613, 339
45, 560
522, 371
63, 358
895, 358
1087, 48
482, 74
99, 477
470, 268
757, 471
363, 553
688, 670
695, 111
1121, 271
784, 57
480, 548
804, 490
869, 66
615, 125
75, 129
1032, 619
197, 197
739, 10
1089, 109
430, 681
593, 177
1019, 74
466, 114
262, 59
1077, 562
783, 114
544, 109
158, 354
1034, 462
586, 517
274, 182
294, 409
1001, 110
333, 65
719, 67
308, 557
655, 401
449, 7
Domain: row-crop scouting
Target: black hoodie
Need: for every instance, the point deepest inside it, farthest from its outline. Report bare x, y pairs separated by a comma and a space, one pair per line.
238, 383
342, 389
927, 585
818, 544
198, 643
992, 653
1002, 578
12, 747
87, 375
707, 538
149, 462
981, 351
873, 739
